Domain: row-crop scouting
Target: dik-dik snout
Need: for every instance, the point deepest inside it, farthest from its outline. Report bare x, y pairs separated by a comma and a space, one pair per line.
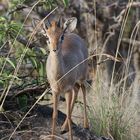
55, 40
56, 43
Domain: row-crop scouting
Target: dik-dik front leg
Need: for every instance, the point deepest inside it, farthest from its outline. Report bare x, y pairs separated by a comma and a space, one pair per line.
65, 127
68, 97
55, 113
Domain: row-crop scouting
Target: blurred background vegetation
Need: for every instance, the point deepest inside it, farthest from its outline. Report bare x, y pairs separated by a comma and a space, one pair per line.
109, 27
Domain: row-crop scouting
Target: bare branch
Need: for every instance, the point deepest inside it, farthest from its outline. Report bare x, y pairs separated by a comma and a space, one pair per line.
31, 89
132, 42
24, 41
18, 8
131, 4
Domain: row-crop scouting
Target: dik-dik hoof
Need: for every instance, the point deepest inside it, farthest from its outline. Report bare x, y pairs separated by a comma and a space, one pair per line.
86, 125
64, 128
63, 131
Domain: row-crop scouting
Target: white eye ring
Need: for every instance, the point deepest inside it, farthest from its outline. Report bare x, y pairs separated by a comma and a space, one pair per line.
48, 42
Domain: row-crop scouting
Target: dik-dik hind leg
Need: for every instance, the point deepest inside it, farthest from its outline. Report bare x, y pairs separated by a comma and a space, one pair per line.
86, 124
68, 97
64, 127
55, 113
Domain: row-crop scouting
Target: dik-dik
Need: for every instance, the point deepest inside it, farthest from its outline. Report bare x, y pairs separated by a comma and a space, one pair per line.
66, 69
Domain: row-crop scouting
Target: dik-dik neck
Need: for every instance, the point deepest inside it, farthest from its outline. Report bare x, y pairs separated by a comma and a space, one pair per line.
57, 64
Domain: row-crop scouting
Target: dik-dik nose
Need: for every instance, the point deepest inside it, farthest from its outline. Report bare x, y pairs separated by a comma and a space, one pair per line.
54, 50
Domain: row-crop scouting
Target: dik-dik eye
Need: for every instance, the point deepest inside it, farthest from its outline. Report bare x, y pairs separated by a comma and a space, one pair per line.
61, 38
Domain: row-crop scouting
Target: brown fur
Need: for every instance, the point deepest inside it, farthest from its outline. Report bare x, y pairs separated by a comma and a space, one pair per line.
64, 55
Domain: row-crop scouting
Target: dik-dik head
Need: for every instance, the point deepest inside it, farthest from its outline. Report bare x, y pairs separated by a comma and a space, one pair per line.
56, 32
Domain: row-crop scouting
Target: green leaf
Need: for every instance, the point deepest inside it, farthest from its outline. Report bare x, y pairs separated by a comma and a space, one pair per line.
66, 2
22, 101
2, 19
33, 61
13, 76
10, 62
1, 82
41, 71
14, 27
43, 50
1, 109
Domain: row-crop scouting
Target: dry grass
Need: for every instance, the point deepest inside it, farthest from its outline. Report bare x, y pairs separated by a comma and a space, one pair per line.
114, 112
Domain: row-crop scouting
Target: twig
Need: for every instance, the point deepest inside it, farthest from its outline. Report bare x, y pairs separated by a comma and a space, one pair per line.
31, 89
24, 41
130, 4
18, 8
109, 57
132, 42
133, 4
98, 63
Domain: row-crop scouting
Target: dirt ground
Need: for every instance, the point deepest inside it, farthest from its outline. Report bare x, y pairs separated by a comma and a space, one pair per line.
37, 125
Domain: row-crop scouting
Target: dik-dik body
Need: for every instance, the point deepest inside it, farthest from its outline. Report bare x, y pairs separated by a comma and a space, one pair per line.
67, 50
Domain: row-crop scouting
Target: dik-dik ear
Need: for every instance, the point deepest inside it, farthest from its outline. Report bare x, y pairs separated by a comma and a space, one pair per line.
70, 24
35, 22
